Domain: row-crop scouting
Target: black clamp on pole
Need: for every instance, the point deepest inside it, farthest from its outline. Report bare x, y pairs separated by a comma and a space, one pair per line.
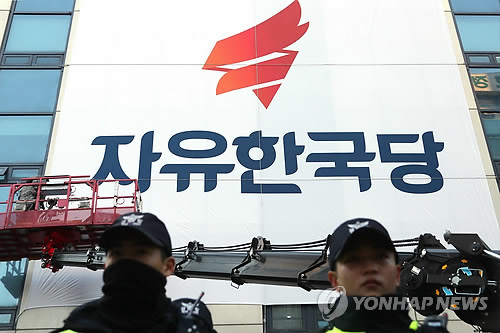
258, 244
470, 245
93, 254
323, 258
189, 255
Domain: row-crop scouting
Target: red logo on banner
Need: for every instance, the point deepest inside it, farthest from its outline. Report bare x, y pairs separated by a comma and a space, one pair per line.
268, 37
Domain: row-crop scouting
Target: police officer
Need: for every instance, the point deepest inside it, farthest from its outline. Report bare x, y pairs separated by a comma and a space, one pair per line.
363, 261
138, 260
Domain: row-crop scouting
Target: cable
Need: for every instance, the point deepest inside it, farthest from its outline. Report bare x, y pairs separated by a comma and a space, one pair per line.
416, 239
322, 241
405, 244
306, 246
298, 247
228, 246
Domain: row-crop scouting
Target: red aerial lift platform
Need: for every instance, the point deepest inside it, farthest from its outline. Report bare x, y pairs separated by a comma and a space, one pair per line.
43, 214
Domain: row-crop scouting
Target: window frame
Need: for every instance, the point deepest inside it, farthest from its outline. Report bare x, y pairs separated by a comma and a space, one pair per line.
33, 55
491, 55
494, 63
457, 26
57, 89
9, 179
14, 9
10, 168
458, 12
14, 310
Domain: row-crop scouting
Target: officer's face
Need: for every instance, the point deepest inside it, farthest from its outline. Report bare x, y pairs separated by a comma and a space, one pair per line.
366, 270
141, 251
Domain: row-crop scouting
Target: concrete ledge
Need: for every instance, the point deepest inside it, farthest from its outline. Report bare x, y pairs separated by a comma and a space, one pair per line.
5, 4
4, 17
239, 329
236, 314
42, 319
454, 38
237, 318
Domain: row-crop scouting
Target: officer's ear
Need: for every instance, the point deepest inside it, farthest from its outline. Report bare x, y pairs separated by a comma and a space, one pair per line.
332, 277
168, 267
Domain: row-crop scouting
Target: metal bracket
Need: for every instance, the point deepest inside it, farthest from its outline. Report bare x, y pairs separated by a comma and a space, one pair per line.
323, 258
189, 255
258, 244
93, 255
467, 244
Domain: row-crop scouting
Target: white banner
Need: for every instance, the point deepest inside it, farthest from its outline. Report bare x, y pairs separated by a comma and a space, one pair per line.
343, 95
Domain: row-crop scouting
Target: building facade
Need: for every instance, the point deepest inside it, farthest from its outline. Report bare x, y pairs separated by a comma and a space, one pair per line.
279, 119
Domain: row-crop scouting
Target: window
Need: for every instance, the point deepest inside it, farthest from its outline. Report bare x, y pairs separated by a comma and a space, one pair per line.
42, 6
4, 196
287, 317
479, 32
12, 275
18, 173
38, 33
486, 83
479, 59
491, 125
478, 24
476, 6
3, 172
294, 318
31, 64
24, 139
11, 174
28, 90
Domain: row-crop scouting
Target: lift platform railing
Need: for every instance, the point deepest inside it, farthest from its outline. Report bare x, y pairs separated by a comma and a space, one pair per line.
60, 212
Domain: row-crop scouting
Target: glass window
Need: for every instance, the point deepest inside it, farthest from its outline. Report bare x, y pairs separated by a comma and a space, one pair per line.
479, 59
38, 33
294, 318
24, 138
4, 196
12, 277
486, 82
17, 60
4, 192
491, 125
25, 173
5, 318
479, 33
44, 5
28, 90
287, 317
476, 6
48, 60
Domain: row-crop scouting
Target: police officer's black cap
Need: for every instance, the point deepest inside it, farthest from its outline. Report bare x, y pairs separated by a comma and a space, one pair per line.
200, 312
345, 232
146, 224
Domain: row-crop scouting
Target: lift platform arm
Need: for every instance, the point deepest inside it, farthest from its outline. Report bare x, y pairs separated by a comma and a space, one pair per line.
431, 270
